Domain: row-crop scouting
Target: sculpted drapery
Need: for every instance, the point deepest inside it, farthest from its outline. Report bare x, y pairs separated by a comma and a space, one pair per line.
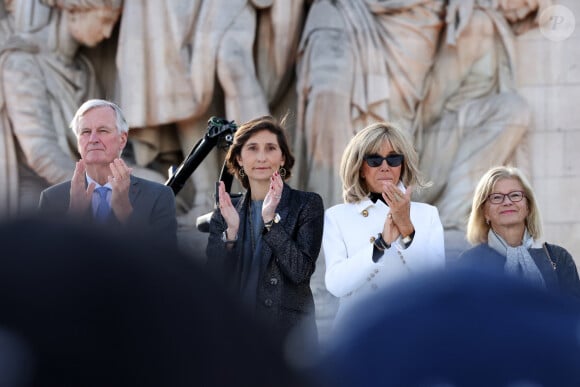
177, 59
360, 61
171, 53
42, 85
443, 71
472, 117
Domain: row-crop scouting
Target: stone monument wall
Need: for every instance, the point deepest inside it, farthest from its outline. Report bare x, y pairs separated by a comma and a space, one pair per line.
549, 79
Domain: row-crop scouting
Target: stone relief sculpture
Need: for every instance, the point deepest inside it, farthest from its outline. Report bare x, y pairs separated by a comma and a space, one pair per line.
6, 20
444, 70
43, 80
472, 117
170, 56
359, 61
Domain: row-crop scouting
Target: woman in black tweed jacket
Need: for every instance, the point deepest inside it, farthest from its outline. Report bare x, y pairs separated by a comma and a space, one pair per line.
265, 245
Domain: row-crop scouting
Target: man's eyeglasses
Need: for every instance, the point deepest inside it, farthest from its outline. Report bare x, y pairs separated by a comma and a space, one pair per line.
498, 198
393, 160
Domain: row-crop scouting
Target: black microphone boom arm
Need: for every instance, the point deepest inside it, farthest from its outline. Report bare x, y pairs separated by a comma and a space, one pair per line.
220, 132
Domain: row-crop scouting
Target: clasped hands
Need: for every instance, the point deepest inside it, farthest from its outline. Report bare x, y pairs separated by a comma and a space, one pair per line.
398, 221
120, 181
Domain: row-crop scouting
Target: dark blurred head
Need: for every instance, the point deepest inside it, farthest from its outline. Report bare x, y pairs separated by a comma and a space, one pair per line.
94, 309
458, 328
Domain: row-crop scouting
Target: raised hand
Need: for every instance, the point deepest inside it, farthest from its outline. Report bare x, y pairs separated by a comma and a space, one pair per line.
120, 181
80, 197
228, 212
399, 216
273, 197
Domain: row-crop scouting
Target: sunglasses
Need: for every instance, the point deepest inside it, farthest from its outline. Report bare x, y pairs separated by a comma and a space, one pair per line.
393, 160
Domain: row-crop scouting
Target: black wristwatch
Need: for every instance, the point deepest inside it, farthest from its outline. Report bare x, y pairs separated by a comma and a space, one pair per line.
226, 240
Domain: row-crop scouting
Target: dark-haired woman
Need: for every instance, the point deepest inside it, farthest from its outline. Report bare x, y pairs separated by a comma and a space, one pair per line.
265, 244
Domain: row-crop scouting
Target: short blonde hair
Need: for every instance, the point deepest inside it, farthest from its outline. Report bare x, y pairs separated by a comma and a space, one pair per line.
477, 227
368, 141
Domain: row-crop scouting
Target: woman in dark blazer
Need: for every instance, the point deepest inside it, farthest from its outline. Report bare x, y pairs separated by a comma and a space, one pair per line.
265, 244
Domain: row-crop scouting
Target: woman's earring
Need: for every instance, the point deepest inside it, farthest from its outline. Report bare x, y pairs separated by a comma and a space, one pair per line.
242, 172
282, 172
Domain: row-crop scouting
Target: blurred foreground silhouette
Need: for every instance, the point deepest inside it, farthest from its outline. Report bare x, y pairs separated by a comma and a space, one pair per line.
84, 307
464, 327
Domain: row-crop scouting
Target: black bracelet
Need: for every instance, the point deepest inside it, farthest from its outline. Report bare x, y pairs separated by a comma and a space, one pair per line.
381, 244
228, 241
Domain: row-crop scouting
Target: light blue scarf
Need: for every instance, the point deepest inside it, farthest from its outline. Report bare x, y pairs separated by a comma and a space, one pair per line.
518, 262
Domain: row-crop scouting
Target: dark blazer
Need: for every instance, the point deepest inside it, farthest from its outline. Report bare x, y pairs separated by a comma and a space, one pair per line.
561, 278
290, 249
153, 208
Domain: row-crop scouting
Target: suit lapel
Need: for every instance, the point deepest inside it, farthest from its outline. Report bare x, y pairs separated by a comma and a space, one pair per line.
134, 189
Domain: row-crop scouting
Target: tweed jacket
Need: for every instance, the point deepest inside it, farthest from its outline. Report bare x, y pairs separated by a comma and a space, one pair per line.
349, 233
558, 271
153, 208
290, 249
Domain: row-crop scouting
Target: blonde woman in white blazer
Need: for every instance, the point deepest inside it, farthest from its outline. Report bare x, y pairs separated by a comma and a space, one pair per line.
379, 236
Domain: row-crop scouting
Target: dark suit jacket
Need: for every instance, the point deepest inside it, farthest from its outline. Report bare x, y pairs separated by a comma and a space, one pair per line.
290, 249
153, 208
563, 278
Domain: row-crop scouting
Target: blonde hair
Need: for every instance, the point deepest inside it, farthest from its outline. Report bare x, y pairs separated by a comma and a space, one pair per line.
477, 227
368, 141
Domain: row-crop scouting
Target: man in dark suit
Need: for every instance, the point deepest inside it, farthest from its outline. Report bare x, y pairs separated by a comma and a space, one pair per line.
102, 188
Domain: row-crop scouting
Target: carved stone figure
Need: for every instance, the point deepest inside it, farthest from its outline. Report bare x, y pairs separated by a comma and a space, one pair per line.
170, 55
6, 20
359, 61
472, 117
43, 80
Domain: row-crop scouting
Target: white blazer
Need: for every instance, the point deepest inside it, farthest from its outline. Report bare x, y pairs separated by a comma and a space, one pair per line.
349, 233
